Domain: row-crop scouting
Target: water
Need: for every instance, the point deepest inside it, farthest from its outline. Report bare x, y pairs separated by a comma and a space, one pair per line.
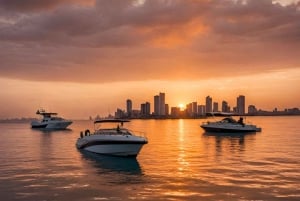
179, 163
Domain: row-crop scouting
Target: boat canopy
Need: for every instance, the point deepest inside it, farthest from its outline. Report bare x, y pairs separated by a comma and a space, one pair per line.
42, 112
111, 121
219, 114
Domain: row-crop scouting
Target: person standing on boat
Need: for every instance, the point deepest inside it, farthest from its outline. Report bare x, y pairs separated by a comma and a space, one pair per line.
241, 121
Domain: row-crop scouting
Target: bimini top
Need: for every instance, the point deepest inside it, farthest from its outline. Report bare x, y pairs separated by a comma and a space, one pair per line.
44, 113
111, 121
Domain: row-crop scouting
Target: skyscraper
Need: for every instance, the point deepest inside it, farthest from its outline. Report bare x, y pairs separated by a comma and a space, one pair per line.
175, 112
162, 104
192, 109
252, 109
201, 110
225, 107
208, 104
189, 109
129, 107
195, 109
215, 107
167, 109
156, 105
159, 104
145, 109
240, 105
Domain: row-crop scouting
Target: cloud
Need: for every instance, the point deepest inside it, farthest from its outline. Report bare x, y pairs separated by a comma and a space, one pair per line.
104, 41
38, 5
255, 19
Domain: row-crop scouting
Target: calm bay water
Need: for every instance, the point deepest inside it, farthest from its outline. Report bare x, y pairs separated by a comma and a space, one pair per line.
180, 162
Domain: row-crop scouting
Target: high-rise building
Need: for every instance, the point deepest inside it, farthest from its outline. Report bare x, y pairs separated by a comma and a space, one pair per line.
119, 113
189, 109
225, 107
156, 105
129, 107
160, 105
175, 112
145, 109
201, 110
194, 109
167, 109
215, 107
252, 109
240, 105
208, 104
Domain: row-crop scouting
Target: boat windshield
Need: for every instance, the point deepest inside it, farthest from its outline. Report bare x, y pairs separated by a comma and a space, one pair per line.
108, 126
57, 118
229, 120
105, 125
110, 123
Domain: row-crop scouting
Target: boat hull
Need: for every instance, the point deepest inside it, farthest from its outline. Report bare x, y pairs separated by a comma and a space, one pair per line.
51, 125
128, 146
237, 129
126, 150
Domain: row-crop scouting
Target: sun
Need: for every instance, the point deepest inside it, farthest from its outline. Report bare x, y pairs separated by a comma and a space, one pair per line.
181, 106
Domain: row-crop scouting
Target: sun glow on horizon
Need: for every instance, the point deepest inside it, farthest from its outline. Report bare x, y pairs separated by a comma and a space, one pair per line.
181, 106
81, 100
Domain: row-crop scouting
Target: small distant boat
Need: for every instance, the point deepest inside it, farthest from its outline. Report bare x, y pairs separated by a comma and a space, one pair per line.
50, 121
229, 125
111, 140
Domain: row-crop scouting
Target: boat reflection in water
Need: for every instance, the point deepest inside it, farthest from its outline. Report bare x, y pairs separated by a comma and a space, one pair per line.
52, 131
107, 163
228, 134
229, 141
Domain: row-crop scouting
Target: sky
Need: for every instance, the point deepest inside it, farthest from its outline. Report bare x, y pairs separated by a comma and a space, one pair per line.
81, 58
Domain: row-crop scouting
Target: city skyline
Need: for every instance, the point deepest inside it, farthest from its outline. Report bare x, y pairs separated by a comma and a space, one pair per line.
193, 109
133, 105
189, 110
84, 57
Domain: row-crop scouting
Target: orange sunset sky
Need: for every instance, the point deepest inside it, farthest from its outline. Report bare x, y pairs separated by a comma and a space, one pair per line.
81, 58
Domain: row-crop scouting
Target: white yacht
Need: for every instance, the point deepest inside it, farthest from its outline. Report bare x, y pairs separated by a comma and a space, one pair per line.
111, 139
50, 121
229, 125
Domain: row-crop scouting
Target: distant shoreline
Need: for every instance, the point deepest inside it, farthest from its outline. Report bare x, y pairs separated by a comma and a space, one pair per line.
28, 120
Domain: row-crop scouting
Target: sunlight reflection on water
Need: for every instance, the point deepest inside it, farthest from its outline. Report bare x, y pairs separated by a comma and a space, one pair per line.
181, 162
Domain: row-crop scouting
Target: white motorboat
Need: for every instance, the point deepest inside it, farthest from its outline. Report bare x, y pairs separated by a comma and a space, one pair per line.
50, 121
229, 125
111, 139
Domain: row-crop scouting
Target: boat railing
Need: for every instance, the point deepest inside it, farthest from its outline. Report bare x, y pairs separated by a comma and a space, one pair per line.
138, 133
112, 131
120, 131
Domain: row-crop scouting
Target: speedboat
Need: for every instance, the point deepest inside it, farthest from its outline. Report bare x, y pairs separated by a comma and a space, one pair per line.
50, 121
111, 138
230, 125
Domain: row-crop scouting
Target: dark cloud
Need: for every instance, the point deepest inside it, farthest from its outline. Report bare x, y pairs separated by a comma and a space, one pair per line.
255, 19
113, 40
37, 5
